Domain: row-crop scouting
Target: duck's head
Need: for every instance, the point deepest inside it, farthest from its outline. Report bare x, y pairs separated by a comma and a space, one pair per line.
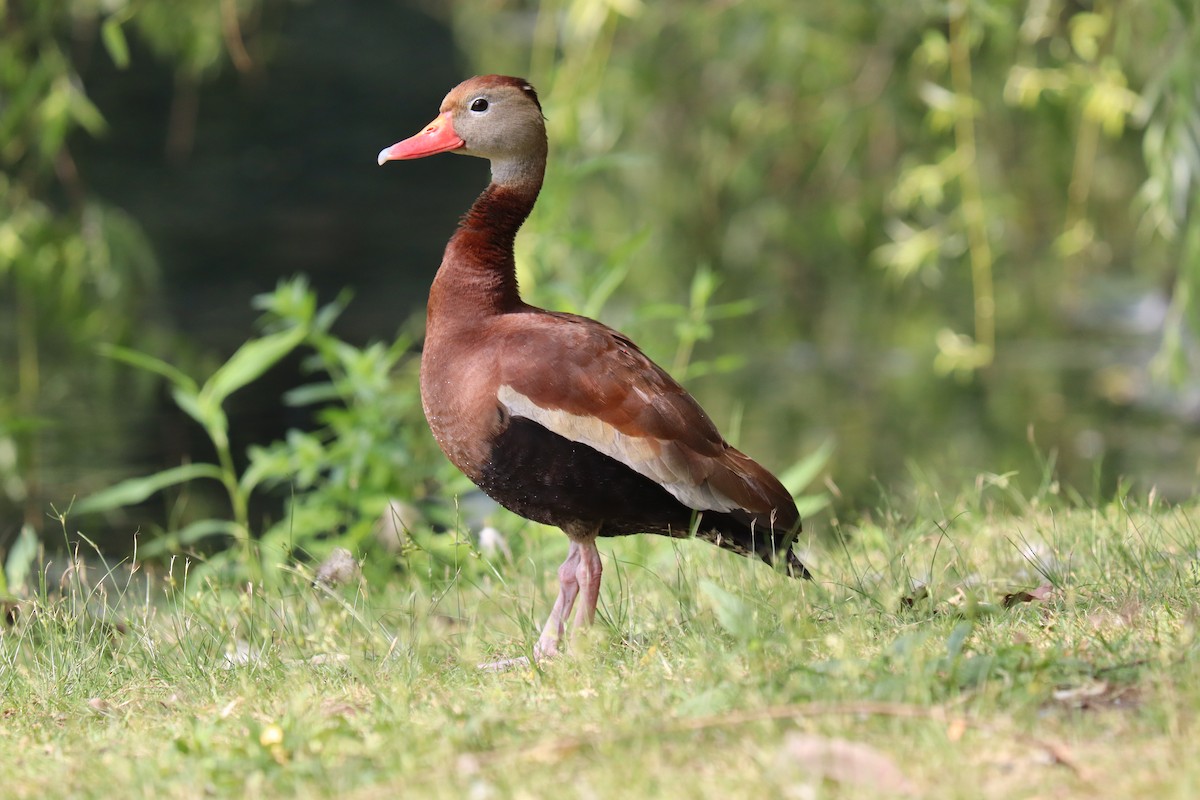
492, 116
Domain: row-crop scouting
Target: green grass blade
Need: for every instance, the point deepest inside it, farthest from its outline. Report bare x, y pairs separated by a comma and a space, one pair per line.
809, 504
805, 471
733, 614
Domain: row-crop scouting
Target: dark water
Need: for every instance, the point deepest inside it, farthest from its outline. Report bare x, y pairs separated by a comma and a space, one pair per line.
281, 175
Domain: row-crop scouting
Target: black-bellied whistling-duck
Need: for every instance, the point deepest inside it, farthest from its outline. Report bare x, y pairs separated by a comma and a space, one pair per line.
555, 416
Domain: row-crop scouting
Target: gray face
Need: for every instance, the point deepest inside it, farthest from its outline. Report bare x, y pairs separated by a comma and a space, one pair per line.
499, 123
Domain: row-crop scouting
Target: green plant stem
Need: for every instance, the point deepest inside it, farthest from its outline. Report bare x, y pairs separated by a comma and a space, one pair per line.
28, 389
974, 214
240, 506
1087, 145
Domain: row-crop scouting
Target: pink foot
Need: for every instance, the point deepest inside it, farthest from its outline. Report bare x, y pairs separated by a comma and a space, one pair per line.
581, 570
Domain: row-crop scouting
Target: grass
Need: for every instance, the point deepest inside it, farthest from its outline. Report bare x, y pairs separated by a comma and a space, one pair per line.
709, 676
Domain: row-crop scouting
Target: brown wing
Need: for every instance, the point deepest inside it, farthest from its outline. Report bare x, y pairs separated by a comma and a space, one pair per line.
588, 383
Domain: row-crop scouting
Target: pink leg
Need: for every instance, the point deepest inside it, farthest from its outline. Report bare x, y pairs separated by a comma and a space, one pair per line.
581, 570
588, 575
568, 588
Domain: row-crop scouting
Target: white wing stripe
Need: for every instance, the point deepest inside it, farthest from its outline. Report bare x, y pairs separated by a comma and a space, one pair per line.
648, 457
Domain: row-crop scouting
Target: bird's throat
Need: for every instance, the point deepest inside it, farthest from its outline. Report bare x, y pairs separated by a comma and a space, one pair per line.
478, 275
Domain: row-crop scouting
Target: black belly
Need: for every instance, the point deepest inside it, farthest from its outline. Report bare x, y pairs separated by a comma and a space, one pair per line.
545, 477
550, 479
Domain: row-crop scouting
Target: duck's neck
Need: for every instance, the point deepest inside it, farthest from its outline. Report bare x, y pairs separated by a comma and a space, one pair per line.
478, 275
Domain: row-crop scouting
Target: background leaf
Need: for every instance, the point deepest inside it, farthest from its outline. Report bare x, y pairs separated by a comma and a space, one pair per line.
248, 363
114, 41
137, 490
20, 560
149, 363
734, 614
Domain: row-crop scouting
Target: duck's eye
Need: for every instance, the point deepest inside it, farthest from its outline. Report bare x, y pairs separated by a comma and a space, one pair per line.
479, 104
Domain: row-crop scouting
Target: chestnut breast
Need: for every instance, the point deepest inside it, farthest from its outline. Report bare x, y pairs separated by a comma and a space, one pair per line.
459, 377
470, 362
477, 369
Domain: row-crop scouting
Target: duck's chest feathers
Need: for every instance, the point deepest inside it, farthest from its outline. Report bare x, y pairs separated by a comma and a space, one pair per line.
458, 395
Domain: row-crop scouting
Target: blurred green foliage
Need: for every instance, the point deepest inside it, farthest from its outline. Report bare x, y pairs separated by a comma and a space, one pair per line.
341, 480
74, 271
945, 213
953, 239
